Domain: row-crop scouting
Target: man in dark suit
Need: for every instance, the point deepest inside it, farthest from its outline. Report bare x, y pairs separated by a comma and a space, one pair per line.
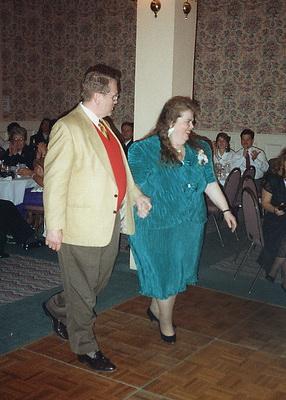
127, 134
89, 194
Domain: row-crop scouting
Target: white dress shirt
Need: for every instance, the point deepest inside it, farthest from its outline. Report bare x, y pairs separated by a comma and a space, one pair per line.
260, 163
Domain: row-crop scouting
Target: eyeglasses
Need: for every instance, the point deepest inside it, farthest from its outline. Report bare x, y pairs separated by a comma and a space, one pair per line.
19, 139
114, 97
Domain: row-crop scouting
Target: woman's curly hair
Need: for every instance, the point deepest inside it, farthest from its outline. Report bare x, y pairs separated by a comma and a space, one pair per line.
171, 111
279, 167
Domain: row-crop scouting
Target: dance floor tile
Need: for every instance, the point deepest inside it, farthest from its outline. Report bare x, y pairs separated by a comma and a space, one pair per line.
144, 395
200, 310
265, 330
133, 344
223, 371
228, 348
26, 375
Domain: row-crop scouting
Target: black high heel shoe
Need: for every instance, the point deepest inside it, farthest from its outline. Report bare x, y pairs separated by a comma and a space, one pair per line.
169, 339
154, 318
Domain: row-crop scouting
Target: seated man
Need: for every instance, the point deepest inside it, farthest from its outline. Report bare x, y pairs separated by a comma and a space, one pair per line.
12, 223
250, 155
127, 134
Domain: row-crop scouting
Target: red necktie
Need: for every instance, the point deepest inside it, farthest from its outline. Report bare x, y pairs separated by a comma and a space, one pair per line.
247, 159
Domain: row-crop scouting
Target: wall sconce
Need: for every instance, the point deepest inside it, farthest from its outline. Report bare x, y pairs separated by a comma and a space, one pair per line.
187, 8
155, 6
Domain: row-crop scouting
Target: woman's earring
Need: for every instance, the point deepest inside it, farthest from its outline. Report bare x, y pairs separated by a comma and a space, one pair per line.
170, 131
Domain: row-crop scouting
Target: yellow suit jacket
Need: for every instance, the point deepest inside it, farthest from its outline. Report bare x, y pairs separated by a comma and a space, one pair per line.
80, 192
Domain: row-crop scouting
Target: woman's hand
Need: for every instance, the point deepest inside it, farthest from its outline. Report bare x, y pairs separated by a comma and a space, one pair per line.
215, 149
41, 150
143, 204
12, 149
24, 172
39, 170
278, 211
230, 220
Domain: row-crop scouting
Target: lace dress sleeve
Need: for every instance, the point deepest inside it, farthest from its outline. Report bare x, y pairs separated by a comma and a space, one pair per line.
267, 185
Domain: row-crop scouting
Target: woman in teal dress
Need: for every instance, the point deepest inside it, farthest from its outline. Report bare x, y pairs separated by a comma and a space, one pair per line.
174, 170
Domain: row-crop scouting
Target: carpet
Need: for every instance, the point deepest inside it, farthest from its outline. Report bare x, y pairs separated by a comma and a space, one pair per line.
21, 276
249, 269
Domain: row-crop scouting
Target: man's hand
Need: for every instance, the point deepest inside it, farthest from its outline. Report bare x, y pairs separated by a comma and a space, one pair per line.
143, 204
54, 239
254, 154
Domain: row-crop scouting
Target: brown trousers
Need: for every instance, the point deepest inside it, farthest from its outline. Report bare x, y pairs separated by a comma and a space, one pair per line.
85, 273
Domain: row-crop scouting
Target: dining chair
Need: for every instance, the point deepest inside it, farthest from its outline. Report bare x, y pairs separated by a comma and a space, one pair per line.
250, 171
253, 227
229, 189
248, 181
215, 213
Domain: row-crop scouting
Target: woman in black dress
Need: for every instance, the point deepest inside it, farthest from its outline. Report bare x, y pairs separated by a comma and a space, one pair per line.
273, 256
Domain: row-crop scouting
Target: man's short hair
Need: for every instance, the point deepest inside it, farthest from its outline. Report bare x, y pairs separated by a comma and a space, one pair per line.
96, 80
247, 132
128, 124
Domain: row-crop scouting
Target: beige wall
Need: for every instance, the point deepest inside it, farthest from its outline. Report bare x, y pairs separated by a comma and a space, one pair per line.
164, 59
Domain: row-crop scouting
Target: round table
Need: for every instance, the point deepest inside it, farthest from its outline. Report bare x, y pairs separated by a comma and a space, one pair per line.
14, 189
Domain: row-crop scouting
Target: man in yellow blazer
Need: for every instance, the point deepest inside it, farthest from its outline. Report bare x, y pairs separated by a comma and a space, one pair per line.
89, 194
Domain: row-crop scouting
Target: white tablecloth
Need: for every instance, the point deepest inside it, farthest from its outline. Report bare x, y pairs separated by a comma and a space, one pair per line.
14, 190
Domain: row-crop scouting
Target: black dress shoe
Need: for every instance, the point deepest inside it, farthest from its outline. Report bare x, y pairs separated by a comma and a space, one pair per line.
58, 326
98, 362
4, 255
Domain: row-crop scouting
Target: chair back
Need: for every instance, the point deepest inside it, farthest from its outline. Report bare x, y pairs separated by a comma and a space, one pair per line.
231, 186
248, 181
252, 217
250, 171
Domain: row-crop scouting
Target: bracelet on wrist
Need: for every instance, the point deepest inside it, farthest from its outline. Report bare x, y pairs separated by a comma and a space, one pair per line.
225, 211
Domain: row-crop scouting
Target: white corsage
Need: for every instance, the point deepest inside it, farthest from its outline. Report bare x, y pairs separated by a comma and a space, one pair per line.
202, 157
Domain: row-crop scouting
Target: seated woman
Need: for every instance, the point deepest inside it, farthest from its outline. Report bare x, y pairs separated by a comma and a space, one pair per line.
18, 152
42, 136
222, 155
273, 256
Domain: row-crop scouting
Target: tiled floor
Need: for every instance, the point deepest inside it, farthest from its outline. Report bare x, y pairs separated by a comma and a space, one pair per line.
228, 348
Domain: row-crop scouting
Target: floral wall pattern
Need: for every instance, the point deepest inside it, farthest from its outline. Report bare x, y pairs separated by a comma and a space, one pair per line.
240, 66
47, 45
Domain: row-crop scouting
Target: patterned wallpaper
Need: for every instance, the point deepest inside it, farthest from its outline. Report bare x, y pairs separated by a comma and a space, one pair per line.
240, 66
47, 45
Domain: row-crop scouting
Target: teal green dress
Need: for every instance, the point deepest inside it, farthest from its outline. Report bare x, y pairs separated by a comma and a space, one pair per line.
167, 244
